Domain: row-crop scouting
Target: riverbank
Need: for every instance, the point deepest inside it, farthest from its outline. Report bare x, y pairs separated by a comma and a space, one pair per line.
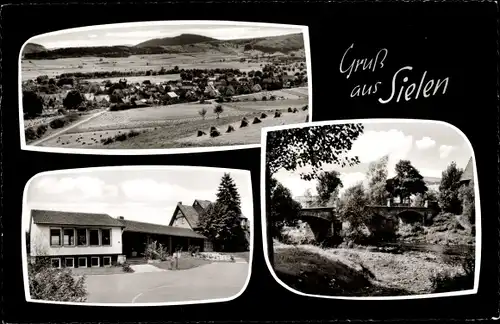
361, 272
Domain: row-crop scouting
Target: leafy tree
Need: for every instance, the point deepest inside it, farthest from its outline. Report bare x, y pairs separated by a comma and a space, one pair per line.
352, 210
311, 200
218, 109
408, 181
377, 178
73, 99
283, 209
328, 186
202, 112
449, 189
32, 104
467, 196
221, 222
314, 146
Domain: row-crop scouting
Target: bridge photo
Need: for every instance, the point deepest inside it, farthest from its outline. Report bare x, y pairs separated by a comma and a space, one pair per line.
379, 209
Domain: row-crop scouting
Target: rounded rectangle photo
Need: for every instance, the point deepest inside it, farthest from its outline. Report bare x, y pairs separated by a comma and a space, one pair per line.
371, 209
162, 86
137, 235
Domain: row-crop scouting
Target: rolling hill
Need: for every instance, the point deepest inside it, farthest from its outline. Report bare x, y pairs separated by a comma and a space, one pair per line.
33, 48
184, 43
183, 39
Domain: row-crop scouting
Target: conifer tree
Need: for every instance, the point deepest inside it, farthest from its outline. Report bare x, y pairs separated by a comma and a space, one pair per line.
221, 222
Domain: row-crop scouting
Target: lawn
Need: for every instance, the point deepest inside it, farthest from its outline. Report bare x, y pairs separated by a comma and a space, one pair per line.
353, 272
184, 263
97, 271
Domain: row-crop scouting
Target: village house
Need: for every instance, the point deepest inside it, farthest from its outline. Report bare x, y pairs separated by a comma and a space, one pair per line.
187, 216
80, 240
468, 174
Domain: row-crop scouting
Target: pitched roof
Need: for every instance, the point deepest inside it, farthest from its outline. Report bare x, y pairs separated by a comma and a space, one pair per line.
203, 203
133, 226
73, 218
468, 173
190, 213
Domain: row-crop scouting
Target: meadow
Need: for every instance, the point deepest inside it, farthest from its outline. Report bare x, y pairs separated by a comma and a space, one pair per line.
177, 125
30, 69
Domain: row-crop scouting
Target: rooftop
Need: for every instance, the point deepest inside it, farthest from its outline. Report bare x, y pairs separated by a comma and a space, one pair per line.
140, 227
51, 217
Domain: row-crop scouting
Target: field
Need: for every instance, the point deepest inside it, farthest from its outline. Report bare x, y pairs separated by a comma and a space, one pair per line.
177, 125
33, 68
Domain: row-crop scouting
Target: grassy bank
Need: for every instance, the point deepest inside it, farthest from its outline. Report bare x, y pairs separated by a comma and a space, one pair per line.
355, 272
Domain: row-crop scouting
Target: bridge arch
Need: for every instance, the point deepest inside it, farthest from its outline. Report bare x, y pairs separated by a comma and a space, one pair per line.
411, 216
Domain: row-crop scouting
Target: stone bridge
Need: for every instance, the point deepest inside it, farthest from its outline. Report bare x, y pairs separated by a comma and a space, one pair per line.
406, 214
326, 226
323, 222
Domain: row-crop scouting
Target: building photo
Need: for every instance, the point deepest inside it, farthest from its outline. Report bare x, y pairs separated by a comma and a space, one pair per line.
378, 209
119, 234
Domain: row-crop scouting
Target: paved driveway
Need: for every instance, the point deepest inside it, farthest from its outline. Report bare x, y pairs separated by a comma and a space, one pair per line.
215, 280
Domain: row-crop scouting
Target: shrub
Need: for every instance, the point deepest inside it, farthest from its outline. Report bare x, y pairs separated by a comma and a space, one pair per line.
121, 137
63, 81
126, 267
256, 121
30, 133
295, 110
244, 122
73, 99
47, 283
133, 133
32, 104
254, 99
263, 115
62, 111
277, 114
155, 251
230, 129
290, 109
201, 133
273, 97
57, 123
305, 107
42, 129
447, 281
106, 141
264, 98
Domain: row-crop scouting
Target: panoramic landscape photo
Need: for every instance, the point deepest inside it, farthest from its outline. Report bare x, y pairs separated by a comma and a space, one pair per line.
372, 209
156, 85
137, 235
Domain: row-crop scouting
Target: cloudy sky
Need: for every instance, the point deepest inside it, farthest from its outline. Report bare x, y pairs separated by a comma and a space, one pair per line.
135, 33
140, 194
429, 147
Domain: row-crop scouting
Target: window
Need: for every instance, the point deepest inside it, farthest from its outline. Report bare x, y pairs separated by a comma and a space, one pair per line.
55, 236
69, 262
106, 261
81, 236
82, 262
55, 262
94, 261
106, 236
69, 236
94, 237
